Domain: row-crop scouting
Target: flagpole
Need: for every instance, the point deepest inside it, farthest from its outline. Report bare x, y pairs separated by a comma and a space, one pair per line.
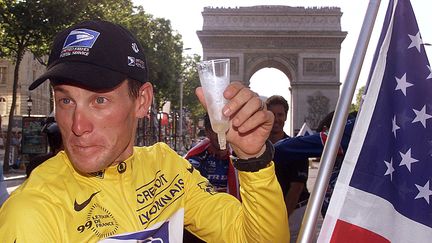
332, 144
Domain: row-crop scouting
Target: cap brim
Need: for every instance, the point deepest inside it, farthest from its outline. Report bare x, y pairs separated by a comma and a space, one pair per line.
85, 75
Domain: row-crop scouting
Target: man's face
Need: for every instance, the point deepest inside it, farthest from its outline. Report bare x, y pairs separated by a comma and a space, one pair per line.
280, 117
98, 129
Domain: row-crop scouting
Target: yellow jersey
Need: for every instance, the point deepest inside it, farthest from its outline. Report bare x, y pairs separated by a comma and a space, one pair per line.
150, 197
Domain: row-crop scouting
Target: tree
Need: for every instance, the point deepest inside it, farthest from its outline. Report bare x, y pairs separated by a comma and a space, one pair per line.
163, 48
31, 25
191, 82
359, 98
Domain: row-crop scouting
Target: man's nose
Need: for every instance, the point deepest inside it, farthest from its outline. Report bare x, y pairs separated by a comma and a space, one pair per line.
82, 122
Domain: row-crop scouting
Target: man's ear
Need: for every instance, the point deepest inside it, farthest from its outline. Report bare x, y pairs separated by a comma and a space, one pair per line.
144, 100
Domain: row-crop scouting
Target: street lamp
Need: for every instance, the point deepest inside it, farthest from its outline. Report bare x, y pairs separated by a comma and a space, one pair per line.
29, 105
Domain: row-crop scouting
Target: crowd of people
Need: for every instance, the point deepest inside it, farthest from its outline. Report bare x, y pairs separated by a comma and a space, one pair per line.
96, 185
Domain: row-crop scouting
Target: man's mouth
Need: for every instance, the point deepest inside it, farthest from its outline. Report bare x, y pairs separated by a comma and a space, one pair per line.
85, 148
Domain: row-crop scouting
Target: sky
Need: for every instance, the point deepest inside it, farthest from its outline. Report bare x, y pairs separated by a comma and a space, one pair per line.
186, 18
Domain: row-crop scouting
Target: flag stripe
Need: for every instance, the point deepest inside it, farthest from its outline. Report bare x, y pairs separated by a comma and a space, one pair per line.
350, 233
375, 214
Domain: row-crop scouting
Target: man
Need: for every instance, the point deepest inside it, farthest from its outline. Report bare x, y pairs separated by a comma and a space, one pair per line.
304, 147
291, 173
213, 163
102, 188
311, 146
279, 107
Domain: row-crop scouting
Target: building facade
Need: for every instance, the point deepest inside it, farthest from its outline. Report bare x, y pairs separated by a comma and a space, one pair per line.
30, 69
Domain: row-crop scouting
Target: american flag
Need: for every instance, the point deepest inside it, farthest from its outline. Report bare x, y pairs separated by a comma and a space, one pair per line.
383, 193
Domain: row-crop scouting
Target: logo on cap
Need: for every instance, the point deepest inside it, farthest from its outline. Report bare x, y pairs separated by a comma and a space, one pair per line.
79, 42
135, 47
131, 61
81, 38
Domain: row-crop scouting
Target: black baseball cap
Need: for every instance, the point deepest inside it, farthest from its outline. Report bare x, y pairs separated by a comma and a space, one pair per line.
96, 55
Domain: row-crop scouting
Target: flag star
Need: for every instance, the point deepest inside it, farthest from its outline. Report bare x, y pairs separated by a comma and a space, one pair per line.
390, 168
424, 192
407, 160
402, 84
395, 127
430, 74
421, 116
416, 41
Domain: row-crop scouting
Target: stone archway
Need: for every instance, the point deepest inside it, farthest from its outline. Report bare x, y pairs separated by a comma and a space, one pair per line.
303, 43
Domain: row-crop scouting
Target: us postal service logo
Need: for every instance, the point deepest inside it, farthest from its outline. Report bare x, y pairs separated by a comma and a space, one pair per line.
81, 38
79, 42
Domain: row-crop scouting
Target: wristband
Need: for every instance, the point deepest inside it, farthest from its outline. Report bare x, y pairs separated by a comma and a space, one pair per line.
257, 163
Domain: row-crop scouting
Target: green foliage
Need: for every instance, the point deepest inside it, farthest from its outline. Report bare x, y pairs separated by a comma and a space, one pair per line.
163, 48
356, 106
191, 82
31, 25
117, 11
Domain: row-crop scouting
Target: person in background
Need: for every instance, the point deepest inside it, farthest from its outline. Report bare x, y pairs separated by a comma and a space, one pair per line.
323, 128
55, 144
16, 149
279, 106
103, 188
213, 163
312, 146
292, 174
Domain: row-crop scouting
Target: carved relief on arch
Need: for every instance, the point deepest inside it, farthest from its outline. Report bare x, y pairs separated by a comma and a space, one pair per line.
319, 66
318, 108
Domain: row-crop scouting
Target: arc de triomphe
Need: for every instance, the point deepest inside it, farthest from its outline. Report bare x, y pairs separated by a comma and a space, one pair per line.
303, 43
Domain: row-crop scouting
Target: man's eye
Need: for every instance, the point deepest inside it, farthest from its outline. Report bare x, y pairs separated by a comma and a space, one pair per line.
65, 101
100, 100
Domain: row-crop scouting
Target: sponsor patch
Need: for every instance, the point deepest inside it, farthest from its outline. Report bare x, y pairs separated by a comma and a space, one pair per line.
157, 195
136, 62
135, 47
80, 206
207, 187
79, 42
158, 235
131, 61
99, 174
169, 230
101, 222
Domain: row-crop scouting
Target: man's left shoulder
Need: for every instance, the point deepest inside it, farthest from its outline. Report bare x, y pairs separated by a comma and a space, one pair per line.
159, 155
